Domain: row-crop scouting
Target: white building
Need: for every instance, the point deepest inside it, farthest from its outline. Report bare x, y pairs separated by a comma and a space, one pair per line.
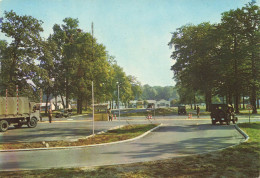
162, 104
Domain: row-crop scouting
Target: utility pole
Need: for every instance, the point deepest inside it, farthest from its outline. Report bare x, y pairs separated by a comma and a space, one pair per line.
118, 100
93, 112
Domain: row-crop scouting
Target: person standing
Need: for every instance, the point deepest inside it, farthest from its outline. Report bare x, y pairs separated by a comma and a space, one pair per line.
198, 111
109, 114
50, 115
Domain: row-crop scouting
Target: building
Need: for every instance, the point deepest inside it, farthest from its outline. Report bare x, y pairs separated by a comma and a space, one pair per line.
162, 104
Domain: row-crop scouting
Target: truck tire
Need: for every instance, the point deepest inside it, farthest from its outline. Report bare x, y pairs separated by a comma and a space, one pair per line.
3, 125
32, 123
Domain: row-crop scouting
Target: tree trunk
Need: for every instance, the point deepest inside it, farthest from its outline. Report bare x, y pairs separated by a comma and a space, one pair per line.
47, 99
257, 103
229, 97
56, 103
194, 102
236, 103
79, 106
253, 89
243, 101
236, 95
62, 100
67, 89
208, 100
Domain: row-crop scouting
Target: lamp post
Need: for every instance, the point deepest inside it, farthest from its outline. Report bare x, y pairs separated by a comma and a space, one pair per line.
93, 112
40, 104
118, 100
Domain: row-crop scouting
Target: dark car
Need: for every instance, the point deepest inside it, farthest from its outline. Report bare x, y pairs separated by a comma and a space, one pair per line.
222, 113
182, 110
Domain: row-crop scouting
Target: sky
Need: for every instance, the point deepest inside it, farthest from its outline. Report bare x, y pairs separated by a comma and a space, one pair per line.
136, 32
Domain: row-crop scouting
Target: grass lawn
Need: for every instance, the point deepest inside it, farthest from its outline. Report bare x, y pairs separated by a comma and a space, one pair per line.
126, 132
240, 161
158, 112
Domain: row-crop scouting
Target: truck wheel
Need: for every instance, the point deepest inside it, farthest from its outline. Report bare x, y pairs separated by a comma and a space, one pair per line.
19, 125
3, 125
32, 123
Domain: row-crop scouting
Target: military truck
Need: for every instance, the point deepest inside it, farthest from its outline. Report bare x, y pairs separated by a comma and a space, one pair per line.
182, 110
219, 113
18, 112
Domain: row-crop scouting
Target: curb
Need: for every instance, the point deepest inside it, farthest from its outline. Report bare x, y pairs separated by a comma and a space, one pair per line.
242, 133
85, 146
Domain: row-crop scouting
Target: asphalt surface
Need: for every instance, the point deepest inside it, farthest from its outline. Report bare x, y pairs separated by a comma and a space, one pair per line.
177, 137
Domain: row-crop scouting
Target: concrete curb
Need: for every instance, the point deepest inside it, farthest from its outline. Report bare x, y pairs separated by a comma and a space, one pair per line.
85, 146
242, 133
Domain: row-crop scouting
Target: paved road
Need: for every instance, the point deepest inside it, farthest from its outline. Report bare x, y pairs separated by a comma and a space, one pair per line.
64, 129
177, 137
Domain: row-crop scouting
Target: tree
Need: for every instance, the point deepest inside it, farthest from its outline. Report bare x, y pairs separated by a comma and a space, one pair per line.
220, 59
46, 79
18, 60
149, 92
250, 20
194, 55
136, 87
65, 37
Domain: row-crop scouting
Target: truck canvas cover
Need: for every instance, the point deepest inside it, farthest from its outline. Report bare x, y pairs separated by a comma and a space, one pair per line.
23, 106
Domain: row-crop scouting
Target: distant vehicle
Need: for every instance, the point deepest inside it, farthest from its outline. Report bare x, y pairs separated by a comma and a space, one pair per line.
18, 112
182, 110
64, 113
150, 106
219, 113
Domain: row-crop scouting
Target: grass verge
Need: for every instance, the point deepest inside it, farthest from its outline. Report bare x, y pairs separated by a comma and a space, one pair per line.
158, 112
239, 161
124, 133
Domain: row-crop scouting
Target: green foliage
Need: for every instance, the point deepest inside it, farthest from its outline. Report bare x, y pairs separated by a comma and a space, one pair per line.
158, 92
18, 59
63, 65
220, 59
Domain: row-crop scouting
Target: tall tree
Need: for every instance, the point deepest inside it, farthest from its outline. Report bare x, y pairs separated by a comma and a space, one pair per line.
18, 64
